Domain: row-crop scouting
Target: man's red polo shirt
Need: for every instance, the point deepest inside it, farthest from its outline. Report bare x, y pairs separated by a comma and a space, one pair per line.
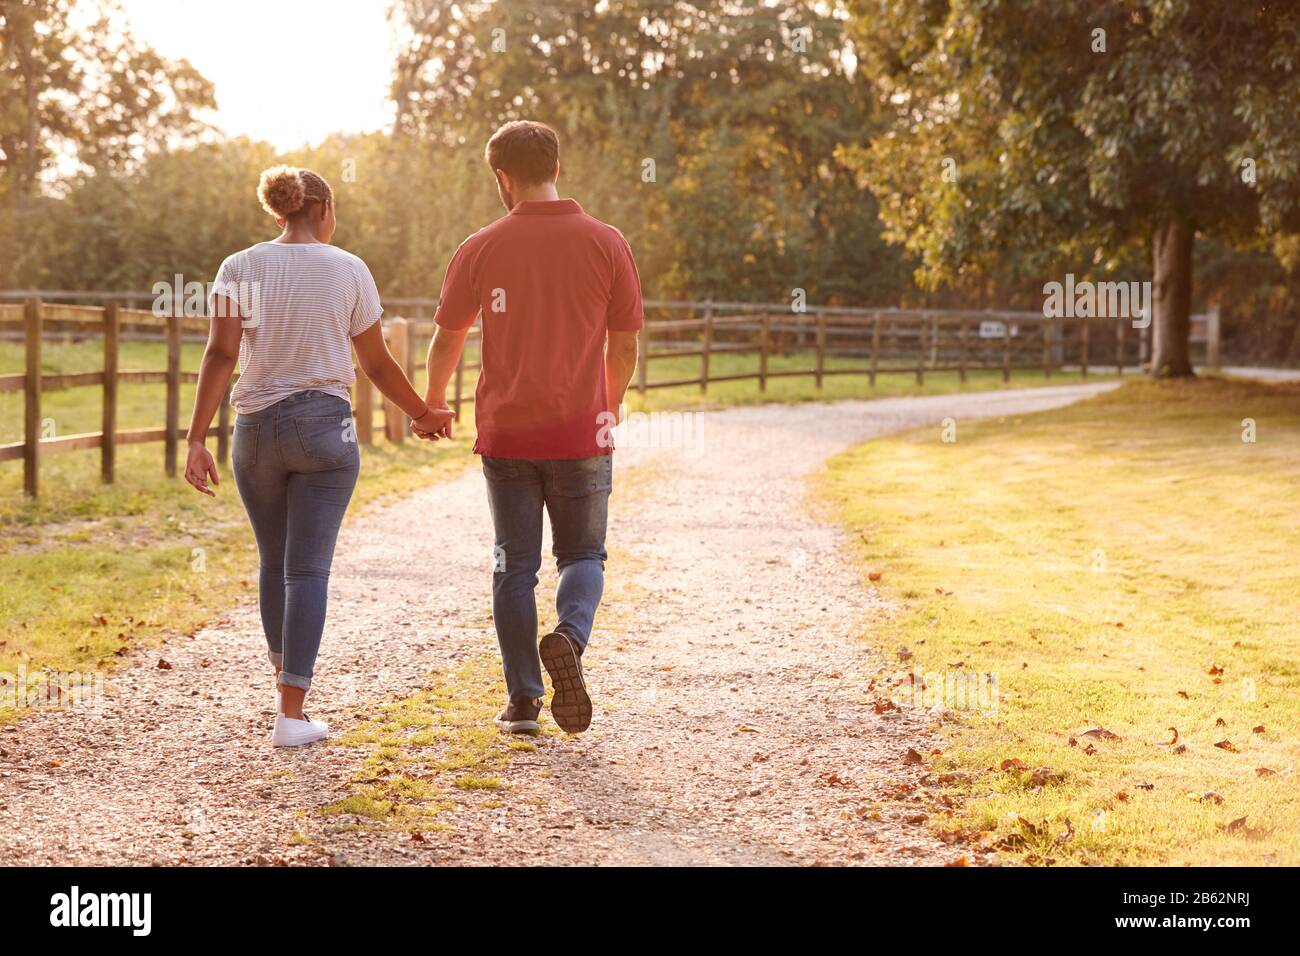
549, 281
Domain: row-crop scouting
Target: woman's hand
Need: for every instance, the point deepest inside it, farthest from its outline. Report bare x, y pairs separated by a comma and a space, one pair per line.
199, 467
435, 423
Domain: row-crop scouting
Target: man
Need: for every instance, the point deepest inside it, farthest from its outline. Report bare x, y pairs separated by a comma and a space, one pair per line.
561, 305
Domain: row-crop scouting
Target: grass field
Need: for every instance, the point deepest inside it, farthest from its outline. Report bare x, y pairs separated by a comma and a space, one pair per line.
1125, 565
91, 569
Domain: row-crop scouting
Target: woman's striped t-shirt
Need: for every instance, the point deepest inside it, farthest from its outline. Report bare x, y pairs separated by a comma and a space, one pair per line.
301, 305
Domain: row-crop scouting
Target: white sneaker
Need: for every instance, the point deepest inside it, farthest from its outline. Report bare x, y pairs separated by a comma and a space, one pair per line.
291, 732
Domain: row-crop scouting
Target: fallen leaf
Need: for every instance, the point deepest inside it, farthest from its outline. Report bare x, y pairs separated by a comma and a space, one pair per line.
1180, 749
1220, 722
1068, 835
1014, 763
1264, 772
1175, 740
960, 861
163, 665
1043, 776
1183, 695
1100, 733
1211, 797
417, 837
1214, 670
1121, 795
1227, 745
874, 576
832, 779
1258, 729
912, 757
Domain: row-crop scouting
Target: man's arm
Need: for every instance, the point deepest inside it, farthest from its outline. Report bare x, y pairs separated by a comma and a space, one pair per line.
620, 363
444, 355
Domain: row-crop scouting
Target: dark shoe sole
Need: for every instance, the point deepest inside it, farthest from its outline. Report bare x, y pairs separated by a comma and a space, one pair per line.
519, 726
570, 705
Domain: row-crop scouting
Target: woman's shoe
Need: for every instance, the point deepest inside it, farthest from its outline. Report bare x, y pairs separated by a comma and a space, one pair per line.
291, 732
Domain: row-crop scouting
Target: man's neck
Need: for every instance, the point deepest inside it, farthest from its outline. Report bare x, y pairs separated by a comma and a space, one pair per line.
546, 192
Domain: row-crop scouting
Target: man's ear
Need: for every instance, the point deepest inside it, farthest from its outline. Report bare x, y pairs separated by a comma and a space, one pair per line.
502, 179
557, 170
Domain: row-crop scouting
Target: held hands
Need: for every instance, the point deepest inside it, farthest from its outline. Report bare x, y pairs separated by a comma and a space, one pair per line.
435, 423
199, 467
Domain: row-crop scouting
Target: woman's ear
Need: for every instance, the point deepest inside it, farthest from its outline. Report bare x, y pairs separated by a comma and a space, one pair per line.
279, 222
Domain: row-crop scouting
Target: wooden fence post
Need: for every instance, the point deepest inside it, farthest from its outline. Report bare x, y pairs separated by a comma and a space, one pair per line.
173, 393
708, 346
642, 360
821, 347
1213, 338
1119, 346
875, 349
1006, 351
399, 343
961, 350
1083, 346
108, 444
920, 352
32, 398
1047, 348
365, 409
223, 427
765, 326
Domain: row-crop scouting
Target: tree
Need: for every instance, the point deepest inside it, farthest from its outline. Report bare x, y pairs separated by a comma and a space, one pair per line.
1078, 128
90, 97
706, 131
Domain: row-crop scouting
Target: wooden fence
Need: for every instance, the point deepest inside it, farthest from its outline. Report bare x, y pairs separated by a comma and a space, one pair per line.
866, 343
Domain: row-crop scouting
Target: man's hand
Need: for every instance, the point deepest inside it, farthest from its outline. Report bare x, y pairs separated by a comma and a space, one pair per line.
199, 467
435, 423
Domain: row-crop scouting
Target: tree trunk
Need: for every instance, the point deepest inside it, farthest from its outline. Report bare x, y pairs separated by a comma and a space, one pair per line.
1172, 295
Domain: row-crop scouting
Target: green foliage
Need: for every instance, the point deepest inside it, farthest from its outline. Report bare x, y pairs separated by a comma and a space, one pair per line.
739, 110
1063, 148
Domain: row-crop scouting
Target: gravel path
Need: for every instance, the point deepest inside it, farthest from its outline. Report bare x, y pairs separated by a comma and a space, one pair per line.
730, 682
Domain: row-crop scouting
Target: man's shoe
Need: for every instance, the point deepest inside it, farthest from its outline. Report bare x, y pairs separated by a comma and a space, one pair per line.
571, 707
520, 716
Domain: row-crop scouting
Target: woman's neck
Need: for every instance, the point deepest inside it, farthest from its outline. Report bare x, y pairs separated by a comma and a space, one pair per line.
297, 234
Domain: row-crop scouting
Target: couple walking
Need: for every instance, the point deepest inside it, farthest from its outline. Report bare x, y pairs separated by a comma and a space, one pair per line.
560, 301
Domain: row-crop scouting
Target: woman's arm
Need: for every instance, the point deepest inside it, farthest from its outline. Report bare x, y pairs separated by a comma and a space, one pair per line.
218, 364
382, 369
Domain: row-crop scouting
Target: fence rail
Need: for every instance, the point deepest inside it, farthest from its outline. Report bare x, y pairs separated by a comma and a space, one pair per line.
878, 342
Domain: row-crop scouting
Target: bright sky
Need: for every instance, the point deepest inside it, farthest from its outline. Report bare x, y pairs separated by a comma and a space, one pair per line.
255, 52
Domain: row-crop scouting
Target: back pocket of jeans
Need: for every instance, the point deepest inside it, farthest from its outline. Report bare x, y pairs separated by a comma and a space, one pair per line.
243, 453
577, 478
326, 439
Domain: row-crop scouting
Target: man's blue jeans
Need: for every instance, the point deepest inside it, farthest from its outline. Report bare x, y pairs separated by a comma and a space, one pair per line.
575, 493
296, 465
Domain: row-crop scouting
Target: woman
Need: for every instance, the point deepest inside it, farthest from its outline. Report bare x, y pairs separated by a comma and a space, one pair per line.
290, 311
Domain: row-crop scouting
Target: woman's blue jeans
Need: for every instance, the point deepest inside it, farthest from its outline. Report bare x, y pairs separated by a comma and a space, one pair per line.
296, 465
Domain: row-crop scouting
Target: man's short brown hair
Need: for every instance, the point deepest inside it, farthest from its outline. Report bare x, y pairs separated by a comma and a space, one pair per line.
528, 152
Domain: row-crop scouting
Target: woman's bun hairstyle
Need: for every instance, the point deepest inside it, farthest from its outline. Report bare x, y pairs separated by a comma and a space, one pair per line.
285, 190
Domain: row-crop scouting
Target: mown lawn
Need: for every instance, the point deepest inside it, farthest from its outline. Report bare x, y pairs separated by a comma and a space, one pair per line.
1125, 565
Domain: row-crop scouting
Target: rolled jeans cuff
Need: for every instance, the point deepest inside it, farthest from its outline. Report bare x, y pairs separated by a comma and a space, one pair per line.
293, 680
277, 660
